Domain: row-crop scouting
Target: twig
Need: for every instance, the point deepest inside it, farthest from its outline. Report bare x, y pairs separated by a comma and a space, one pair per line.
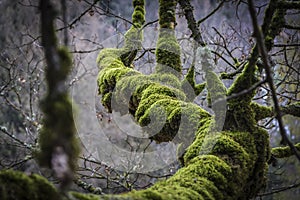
12, 136
211, 13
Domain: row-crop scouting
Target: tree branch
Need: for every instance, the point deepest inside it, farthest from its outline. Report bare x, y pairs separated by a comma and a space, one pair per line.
263, 52
192, 24
284, 152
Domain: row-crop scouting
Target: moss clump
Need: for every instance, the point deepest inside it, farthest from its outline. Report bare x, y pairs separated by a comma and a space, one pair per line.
278, 21
18, 186
167, 13
168, 54
166, 79
260, 111
167, 48
134, 35
81, 196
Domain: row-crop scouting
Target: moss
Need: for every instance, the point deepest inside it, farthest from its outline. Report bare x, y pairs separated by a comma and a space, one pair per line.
260, 111
167, 80
134, 35
292, 109
81, 196
147, 102
65, 61
205, 188
243, 82
189, 85
277, 23
58, 130
240, 116
167, 13
215, 86
168, 56
232, 159
284, 152
18, 186
167, 48
194, 149
160, 110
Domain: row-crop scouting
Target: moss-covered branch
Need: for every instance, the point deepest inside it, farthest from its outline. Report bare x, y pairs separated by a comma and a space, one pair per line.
262, 112
19, 186
192, 24
217, 165
189, 85
167, 48
134, 35
57, 140
284, 152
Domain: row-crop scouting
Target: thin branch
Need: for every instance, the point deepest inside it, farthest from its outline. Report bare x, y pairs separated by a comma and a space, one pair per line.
211, 13
291, 27
149, 23
70, 25
286, 45
12, 136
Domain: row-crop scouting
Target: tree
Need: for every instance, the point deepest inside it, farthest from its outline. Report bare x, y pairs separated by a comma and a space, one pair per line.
229, 154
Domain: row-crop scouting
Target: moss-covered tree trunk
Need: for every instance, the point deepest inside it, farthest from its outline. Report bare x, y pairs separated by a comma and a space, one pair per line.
221, 162
234, 167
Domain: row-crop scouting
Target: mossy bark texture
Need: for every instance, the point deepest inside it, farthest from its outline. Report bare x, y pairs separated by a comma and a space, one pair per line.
217, 164
233, 169
58, 145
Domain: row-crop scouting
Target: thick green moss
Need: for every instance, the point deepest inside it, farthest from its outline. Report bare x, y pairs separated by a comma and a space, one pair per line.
18, 186
167, 48
167, 13
134, 35
216, 165
243, 82
261, 112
